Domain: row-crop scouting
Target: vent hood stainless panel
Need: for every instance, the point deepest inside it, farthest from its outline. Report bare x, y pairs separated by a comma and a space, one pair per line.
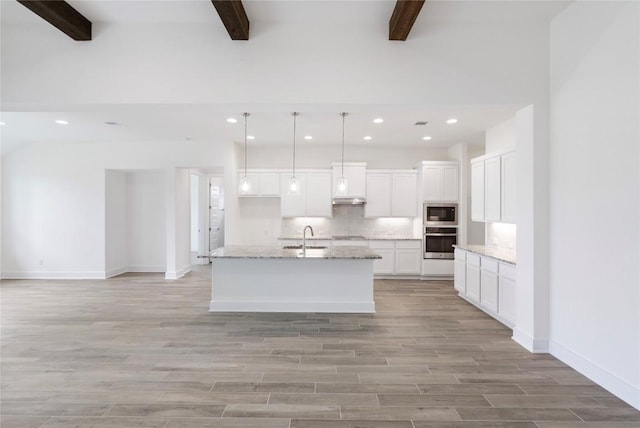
349, 201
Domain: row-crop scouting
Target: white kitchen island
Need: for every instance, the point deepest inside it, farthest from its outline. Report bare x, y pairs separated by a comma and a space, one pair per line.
272, 279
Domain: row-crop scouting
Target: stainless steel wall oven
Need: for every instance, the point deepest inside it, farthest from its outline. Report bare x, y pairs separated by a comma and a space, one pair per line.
439, 242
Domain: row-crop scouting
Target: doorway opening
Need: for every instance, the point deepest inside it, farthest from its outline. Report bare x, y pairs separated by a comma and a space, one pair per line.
207, 215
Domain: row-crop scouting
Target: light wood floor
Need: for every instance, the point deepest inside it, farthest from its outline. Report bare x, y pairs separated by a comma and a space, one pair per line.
139, 351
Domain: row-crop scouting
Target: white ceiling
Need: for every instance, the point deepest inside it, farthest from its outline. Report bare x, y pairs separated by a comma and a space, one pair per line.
271, 124
321, 12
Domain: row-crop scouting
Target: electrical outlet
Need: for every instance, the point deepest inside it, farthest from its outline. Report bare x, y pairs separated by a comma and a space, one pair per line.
41, 262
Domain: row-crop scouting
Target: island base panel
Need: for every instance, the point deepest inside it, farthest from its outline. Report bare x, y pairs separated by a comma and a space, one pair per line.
292, 285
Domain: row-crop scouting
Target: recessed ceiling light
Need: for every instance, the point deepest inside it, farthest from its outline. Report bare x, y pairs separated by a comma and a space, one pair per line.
378, 120
232, 120
250, 137
426, 138
452, 121
308, 137
368, 137
62, 122
2, 124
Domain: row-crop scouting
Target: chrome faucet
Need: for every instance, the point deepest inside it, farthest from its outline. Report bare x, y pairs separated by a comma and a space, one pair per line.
304, 238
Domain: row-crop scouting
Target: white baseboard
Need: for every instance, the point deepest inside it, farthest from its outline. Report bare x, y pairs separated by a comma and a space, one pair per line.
536, 346
115, 272
398, 277
612, 383
279, 306
54, 275
436, 278
146, 268
177, 274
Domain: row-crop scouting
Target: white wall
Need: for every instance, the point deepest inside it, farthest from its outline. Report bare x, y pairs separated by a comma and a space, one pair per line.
321, 156
595, 192
460, 152
195, 213
502, 137
116, 207
183, 217
146, 222
54, 212
475, 229
54, 200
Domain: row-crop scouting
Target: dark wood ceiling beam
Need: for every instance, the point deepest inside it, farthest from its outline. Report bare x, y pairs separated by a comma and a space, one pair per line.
61, 15
233, 17
403, 17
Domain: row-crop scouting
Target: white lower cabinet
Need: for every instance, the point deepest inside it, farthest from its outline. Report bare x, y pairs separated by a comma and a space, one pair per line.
487, 283
408, 258
460, 271
401, 257
385, 265
473, 277
349, 243
507, 293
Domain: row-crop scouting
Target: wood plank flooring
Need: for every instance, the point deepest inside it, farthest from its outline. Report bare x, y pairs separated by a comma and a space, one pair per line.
139, 351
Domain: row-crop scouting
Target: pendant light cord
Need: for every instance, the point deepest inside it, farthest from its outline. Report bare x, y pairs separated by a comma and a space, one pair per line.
295, 115
342, 169
245, 144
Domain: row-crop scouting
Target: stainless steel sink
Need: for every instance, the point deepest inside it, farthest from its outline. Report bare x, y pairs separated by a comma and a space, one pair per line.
312, 252
299, 247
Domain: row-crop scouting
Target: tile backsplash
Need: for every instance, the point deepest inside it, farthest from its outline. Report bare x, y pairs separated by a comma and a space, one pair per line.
501, 235
350, 220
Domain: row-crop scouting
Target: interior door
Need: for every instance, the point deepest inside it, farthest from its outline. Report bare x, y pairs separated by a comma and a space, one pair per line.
216, 213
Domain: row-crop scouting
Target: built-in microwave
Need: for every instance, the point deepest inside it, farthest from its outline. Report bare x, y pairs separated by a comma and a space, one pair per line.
440, 214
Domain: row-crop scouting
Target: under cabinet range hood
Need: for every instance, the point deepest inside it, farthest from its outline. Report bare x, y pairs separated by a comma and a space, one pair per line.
348, 201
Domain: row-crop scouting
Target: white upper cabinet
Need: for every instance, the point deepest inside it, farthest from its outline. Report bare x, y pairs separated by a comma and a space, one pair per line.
313, 198
509, 187
355, 176
270, 184
477, 191
261, 184
493, 188
449, 186
391, 193
432, 183
492, 191
319, 194
293, 205
253, 184
404, 189
440, 182
378, 195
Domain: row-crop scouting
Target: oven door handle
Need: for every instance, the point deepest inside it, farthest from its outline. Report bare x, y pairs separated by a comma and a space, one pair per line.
440, 234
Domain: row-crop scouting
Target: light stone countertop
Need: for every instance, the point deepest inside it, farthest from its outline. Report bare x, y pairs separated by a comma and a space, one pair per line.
261, 252
367, 238
503, 255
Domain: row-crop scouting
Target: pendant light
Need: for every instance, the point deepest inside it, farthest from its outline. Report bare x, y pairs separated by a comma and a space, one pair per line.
342, 184
294, 187
245, 186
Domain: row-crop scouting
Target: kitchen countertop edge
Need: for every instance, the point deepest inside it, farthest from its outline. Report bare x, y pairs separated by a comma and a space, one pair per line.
330, 238
500, 255
261, 252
